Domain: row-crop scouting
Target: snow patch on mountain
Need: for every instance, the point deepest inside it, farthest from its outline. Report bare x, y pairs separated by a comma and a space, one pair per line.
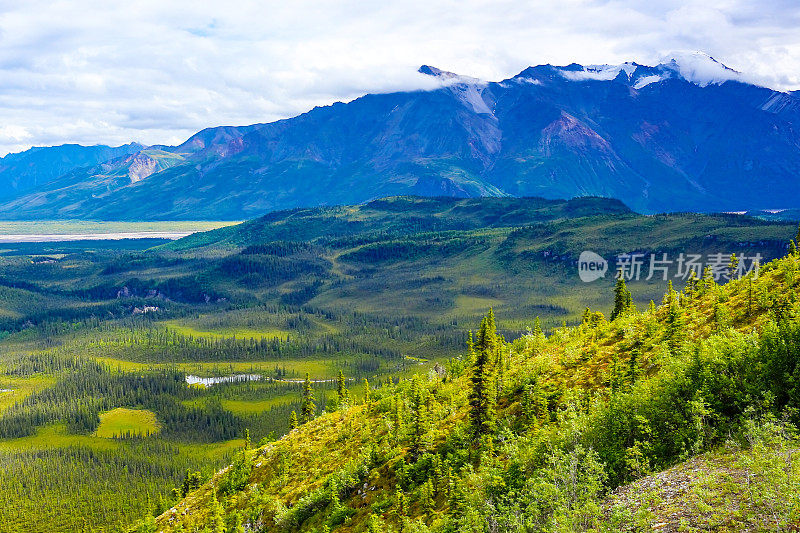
597, 72
447, 78
532, 81
699, 68
468, 90
647, 80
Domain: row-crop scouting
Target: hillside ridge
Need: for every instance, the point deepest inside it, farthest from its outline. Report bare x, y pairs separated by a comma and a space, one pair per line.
572, 413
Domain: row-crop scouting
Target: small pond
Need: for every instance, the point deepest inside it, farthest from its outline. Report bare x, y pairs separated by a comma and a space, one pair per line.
215, 380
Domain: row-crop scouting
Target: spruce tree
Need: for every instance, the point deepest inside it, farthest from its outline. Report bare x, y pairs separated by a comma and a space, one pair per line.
438, 475
341, 390
537, 327
367, 392
482, 396
538, 337
733, 266
293, 421
419, 417
397, 418
633, 366
674, 320
797, 239
401, 503
708, 281
534, 404
217, 521
669, 296
309, 409
691, 284
427, 497
622, 298
500, 372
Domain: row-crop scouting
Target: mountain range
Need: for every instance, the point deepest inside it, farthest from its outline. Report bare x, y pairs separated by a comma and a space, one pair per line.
688, 134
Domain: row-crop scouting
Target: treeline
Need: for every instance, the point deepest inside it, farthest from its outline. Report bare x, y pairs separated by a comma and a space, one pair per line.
168, 346
188, 289
270, 270
277, 248
411, 249
139, 261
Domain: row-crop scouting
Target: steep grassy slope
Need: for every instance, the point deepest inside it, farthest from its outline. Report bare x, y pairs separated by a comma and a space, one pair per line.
577, 412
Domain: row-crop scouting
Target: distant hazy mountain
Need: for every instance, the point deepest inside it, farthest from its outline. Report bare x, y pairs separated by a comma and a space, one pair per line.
688, 134
19, 173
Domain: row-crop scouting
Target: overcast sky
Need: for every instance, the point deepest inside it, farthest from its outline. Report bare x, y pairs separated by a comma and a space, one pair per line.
110, 72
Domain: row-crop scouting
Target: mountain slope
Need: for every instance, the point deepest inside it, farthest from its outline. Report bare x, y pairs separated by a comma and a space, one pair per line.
37, 167
578, 412
688, 134
399, 216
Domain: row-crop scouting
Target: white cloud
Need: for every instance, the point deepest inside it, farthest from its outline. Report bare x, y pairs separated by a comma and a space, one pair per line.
156, 72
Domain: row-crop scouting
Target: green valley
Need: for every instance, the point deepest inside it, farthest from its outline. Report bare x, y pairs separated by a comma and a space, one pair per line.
135, 370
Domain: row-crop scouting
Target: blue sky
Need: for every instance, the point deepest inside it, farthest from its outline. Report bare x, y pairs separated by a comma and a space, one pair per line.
156, 72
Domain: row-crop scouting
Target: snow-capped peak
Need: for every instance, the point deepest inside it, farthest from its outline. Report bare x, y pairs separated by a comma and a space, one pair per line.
468, 91
695, 67
699, 68
449, 78
597, 72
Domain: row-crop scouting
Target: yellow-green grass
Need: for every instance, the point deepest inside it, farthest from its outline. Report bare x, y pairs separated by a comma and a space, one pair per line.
245, 407
254, 407
474, 304
325, 325
127, 366
226, 333
318, 368
9, 313
21, 388
55, 436
121, 422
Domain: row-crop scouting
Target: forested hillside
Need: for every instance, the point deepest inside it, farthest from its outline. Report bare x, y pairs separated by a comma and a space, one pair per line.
535, 434
124, 366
